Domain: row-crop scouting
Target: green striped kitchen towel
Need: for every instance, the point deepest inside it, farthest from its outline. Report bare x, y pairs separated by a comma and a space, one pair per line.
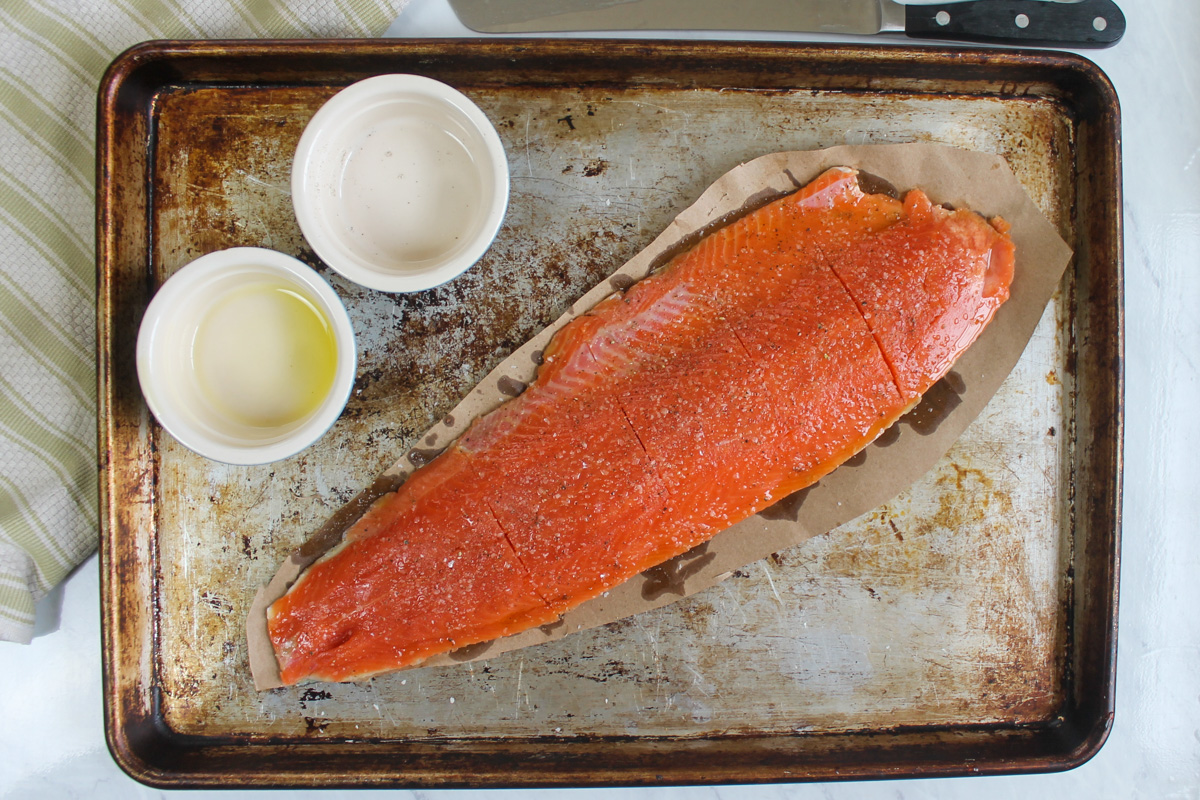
52, 55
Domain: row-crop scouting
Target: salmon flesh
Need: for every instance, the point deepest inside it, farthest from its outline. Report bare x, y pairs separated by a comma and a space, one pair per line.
744, 370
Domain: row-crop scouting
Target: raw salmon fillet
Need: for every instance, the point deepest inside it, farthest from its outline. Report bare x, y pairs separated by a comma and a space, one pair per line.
746, 369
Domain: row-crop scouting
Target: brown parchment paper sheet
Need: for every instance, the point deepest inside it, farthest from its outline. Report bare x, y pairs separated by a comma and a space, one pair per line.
950, 176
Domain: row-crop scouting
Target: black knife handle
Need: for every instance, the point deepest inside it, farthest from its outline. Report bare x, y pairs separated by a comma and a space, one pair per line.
1091, 23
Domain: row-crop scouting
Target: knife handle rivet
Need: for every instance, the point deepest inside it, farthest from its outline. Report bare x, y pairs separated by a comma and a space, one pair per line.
1022, 21
942, 18
1099, 23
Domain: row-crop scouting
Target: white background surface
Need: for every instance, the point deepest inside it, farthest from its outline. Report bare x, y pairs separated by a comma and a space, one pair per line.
52, 737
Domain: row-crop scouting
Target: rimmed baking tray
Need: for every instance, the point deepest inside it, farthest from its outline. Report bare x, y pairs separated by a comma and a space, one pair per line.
968, 626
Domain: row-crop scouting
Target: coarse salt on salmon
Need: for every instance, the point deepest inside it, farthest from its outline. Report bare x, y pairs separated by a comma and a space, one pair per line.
746, 369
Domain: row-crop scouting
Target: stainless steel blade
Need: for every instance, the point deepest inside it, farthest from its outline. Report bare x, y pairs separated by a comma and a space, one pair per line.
817, 16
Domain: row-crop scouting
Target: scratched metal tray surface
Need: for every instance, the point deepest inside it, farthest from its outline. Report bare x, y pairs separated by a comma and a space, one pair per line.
967, 626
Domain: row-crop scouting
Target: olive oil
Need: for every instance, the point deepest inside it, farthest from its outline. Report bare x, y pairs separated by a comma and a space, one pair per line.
264, 355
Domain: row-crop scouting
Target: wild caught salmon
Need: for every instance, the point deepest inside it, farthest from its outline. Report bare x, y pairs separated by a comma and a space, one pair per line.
746, 369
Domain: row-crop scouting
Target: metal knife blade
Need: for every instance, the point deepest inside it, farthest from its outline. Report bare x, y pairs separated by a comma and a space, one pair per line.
1087, 23
521, 16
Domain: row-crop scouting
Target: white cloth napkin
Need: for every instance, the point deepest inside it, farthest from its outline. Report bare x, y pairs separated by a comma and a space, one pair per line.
52, 55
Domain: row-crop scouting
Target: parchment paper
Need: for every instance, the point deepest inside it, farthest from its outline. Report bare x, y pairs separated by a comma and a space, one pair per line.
950, 176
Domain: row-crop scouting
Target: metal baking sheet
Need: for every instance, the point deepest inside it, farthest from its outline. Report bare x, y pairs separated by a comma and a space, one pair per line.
968, 626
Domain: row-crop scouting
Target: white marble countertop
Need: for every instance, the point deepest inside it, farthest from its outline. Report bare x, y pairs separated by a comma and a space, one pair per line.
52, 742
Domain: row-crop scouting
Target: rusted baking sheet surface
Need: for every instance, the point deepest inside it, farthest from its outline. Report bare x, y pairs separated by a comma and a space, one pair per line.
968, 625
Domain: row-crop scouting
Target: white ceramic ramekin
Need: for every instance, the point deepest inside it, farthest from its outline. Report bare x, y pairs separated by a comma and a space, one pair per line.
400, 183
167, 363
